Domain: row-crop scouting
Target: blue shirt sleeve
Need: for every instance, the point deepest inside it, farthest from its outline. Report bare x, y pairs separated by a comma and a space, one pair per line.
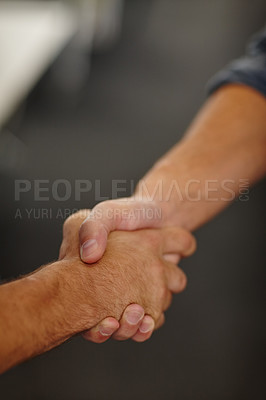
249, 70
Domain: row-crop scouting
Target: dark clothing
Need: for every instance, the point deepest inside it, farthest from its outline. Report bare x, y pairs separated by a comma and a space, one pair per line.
249, 70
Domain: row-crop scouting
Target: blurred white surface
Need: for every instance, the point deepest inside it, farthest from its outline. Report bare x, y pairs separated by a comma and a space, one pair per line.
32, 34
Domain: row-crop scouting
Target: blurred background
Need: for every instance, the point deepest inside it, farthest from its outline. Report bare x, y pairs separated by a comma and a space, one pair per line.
98, 90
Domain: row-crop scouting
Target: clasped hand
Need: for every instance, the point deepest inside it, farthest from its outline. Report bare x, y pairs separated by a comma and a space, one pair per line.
132, 283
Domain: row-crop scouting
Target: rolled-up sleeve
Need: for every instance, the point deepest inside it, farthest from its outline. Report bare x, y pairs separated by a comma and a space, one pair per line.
249, 70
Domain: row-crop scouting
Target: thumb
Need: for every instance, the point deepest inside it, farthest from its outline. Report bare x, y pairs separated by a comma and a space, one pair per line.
123, 214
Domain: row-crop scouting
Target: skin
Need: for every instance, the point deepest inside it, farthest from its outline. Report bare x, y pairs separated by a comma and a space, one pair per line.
44, 309
226, 141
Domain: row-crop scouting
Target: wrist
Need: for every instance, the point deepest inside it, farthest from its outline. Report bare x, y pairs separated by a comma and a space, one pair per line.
77, 306
182, 192
164, 191
34, 316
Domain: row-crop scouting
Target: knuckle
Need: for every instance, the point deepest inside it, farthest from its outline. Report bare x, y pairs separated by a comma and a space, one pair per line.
104, 206
169, 300
67, 225
105, 212
160, 322
182, 282
189, 243
154, 307
67, 222
194, 244
85, 222
76, 218
164, 294
157, 314
166, 300
85, 226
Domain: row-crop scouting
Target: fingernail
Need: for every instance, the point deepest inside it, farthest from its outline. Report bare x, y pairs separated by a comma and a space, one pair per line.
88, 248
133, 317
105, 331
146, 327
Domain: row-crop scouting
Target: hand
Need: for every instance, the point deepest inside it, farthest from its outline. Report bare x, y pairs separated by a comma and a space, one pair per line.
127, 214
132, 271
123, 214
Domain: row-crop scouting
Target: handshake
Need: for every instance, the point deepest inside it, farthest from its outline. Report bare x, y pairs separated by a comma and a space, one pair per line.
117, 265
114, 278
132, 274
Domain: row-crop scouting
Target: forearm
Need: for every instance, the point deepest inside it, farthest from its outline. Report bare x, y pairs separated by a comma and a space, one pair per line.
225, 145
38, 312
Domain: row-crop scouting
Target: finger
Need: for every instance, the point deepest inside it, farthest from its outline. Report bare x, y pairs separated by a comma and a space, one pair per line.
145, 330
160, 322
173, 258
103, 331
168, 300
178, 241
130, 322
62, 252
122, 214
73, 223
70, 243
176, 278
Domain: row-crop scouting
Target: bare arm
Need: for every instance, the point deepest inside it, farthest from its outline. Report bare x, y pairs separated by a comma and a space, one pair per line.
226, 142
198, 177
42, 310
38, 313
